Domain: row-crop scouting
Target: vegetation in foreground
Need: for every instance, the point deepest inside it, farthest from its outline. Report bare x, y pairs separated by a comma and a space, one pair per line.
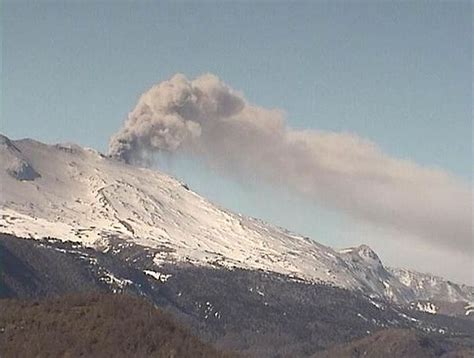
99, 325
399, 343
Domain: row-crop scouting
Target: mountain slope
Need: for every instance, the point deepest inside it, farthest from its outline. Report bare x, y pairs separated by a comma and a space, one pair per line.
259, 314
433, 294
433, 287
71, 193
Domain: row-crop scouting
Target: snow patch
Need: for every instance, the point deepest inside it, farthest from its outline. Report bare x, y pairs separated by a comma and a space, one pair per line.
110, 279
427, 307
157, 275
469, 308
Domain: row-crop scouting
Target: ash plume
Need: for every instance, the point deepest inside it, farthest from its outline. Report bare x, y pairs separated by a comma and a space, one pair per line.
206, 118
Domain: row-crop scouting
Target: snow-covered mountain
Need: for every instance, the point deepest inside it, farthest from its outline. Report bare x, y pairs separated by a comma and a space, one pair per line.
71, 193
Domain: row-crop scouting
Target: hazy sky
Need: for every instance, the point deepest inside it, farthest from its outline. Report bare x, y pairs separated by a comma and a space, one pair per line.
398, 74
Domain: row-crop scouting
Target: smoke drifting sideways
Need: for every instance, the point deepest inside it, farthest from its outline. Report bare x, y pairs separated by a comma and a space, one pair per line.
205, 118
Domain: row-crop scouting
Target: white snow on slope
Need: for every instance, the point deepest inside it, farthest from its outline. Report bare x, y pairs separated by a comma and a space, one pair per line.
427, 307
469, 308
157, 275
81, 195
431, 287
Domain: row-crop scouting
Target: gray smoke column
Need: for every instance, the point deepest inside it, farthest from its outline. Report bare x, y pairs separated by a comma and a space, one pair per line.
206, 118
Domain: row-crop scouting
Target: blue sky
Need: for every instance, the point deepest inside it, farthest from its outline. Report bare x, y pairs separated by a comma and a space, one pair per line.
399, 74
